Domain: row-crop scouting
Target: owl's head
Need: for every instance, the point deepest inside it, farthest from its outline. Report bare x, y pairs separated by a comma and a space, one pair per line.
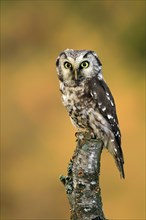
75, 66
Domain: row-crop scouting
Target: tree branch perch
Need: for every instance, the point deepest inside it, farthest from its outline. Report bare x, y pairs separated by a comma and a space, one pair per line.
82, 183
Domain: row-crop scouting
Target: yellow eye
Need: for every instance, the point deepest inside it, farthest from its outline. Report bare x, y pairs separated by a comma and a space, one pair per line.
67, 65
84, 64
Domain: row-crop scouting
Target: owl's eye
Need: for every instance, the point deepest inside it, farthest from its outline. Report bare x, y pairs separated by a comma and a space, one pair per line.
67, 65
84, 64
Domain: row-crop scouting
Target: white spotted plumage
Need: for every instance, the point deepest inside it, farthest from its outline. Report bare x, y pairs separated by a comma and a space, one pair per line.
88, 99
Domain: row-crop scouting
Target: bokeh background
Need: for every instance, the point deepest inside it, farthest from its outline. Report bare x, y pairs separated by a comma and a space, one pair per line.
37, 136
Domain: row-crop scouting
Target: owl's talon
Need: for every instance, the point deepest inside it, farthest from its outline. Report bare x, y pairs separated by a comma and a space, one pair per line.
77, 134
93, 136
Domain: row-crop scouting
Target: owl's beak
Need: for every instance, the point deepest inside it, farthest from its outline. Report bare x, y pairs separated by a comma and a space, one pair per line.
76, 74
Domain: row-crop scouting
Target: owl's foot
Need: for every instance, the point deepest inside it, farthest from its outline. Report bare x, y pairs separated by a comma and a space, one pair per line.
82, 135
93, 136
79, 135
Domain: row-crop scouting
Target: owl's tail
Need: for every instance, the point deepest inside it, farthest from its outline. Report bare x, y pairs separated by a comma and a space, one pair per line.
120, 164
117, 153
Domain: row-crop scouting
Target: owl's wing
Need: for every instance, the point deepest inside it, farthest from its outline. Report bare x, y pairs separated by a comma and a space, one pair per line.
104, 100
101, 94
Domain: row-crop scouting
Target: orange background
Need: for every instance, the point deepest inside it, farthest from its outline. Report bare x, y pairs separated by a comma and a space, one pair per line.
37, 136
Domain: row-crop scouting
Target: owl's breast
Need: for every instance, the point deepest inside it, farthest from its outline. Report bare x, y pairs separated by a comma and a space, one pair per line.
77, 103
72, 96
75, 97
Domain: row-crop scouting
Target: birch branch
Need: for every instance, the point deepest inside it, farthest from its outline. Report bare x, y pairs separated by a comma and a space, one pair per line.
82, 183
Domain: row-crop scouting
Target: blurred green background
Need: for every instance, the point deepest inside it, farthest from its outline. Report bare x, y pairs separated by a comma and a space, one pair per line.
37, 136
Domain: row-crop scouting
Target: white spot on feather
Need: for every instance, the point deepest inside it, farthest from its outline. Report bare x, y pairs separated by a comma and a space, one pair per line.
94, 94
109, 116
103, 109
117, 133
112, 103
108, 97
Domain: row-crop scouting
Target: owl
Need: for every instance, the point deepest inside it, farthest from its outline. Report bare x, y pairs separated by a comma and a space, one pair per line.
88, 99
